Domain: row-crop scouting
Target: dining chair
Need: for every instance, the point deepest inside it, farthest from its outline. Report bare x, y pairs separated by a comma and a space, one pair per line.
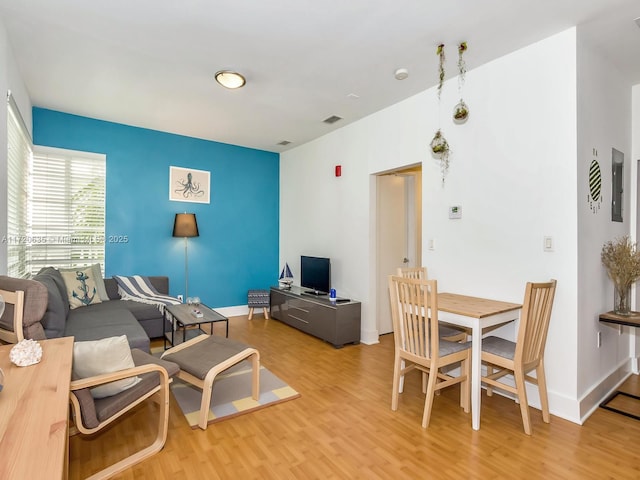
414, 307
452, 334
525, 354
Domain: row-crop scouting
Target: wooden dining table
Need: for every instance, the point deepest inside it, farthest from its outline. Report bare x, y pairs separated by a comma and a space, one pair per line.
475, 314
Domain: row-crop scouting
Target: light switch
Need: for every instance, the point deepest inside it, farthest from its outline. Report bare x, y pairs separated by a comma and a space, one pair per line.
431, 244
548, 244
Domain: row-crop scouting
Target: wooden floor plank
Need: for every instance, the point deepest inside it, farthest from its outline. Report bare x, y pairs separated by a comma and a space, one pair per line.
343, 427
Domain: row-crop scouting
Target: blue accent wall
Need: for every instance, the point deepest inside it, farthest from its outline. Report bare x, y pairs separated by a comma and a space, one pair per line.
237, 249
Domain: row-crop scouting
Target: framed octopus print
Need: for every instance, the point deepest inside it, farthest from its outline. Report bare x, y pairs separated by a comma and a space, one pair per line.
189, 185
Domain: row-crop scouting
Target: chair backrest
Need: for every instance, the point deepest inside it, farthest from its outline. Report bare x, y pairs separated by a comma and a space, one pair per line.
534, 322
11, 330
413, 272
414, 310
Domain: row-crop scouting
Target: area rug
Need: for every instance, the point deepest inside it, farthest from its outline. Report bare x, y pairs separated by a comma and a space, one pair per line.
231, 395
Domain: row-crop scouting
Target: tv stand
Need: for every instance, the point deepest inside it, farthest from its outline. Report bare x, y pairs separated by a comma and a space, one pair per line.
336, 322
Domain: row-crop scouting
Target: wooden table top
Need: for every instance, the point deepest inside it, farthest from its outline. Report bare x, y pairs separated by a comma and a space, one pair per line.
473, 306
632, 320
34, 410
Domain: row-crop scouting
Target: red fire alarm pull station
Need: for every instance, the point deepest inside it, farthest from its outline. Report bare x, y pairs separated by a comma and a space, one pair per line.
338, 170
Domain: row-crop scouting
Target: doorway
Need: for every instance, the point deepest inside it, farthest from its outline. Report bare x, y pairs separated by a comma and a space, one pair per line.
399, 232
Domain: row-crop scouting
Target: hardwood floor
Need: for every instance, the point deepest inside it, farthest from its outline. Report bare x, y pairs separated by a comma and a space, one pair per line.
343, 427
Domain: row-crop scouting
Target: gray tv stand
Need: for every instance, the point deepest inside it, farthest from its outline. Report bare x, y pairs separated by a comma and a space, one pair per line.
335, 322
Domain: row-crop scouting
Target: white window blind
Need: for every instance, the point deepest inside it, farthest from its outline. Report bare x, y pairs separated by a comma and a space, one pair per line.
18, 187
68, 208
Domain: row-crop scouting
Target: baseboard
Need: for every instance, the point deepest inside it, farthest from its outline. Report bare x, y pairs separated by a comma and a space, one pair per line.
599, 392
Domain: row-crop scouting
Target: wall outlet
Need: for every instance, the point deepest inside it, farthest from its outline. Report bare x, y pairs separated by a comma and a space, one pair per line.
599, 339
180, 297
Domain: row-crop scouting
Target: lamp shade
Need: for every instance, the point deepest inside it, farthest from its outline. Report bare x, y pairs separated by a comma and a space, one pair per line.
185, 225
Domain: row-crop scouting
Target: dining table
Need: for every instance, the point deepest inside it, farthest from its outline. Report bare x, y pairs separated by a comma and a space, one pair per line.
476, 314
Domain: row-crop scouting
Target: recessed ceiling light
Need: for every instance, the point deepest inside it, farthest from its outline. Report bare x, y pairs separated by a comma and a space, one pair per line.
401, 73
229, 79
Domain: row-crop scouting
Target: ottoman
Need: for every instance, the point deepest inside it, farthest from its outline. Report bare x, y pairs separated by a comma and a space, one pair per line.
202, 358
258, 299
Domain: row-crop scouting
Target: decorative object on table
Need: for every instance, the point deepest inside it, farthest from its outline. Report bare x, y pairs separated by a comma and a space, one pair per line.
186, 226
461, 110
26, 352
189, 185
439, 145
622, 261
286, 277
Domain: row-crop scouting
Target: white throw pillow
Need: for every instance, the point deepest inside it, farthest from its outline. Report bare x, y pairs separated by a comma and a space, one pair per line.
108, 355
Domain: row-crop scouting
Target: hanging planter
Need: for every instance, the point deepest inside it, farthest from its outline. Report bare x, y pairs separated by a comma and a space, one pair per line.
441, 73
461, 110
440, 149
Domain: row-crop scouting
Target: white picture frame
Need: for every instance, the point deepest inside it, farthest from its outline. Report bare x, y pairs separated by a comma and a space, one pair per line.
189, 185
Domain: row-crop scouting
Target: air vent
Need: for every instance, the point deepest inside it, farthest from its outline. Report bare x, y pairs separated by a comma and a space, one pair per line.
284, 142
332, 119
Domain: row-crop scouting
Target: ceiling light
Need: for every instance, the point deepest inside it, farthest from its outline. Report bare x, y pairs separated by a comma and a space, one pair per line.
401, 73
230, 79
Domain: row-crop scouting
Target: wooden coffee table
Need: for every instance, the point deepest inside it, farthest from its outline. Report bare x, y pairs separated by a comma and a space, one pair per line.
187, 326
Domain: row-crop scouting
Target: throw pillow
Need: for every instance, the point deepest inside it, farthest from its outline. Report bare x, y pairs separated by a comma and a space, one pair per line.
81, 287
104, 356
99, 279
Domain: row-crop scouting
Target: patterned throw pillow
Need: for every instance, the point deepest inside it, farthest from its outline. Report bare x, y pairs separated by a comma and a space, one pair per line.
81, 287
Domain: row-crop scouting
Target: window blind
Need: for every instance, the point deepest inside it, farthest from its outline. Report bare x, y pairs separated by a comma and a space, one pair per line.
67, 208
19, 156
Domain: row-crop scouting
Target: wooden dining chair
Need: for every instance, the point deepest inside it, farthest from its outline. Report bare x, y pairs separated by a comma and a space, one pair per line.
418, 344
11, 327
525, 354
452, 334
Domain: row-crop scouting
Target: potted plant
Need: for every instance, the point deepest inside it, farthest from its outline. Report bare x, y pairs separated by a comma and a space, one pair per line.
622, 261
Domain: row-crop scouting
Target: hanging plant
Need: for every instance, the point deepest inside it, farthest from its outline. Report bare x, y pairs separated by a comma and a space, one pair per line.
440, 149
461, 110
441, 73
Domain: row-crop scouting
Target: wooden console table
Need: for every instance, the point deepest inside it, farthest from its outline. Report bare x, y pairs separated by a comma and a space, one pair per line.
632, 320
34, 413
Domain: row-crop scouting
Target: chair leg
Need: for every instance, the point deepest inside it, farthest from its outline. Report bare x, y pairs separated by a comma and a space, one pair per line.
398, 381
542, 389
250, 313
522, 397
428, 401
401, 385
489, 373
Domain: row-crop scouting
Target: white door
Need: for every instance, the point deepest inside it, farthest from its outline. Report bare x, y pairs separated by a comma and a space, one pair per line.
397, 243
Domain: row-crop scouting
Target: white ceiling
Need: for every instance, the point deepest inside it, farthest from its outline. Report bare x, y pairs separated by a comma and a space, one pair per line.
150, 63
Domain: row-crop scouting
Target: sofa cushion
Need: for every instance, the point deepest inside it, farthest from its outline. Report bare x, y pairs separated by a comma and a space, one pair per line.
55, 316
106, 319
59, 281
81, 287
104, 356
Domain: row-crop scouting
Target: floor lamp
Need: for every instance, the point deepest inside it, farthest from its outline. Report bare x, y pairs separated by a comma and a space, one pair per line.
185, 226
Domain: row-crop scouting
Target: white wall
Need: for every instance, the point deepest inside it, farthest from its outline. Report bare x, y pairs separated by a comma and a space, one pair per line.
604, 122
9, 80
512, 170
635, 227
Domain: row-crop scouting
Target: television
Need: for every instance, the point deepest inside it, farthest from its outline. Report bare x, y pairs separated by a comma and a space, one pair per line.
315, 274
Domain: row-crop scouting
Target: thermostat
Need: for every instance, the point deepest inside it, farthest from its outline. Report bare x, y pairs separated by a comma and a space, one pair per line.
455, 211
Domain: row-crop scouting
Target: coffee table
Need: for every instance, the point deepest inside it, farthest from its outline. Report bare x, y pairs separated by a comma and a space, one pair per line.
188, 326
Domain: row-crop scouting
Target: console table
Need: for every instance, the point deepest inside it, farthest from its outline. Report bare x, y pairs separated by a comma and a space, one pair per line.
632, 320
337, 322
34, 412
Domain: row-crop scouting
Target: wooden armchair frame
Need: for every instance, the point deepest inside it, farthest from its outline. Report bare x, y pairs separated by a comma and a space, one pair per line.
160, 394
17, 300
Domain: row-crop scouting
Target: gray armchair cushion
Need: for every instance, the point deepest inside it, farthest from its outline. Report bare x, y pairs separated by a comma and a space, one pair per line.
499, 346
35, 304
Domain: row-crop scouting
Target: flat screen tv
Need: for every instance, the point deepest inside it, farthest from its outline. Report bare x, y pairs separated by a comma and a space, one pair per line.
315, 274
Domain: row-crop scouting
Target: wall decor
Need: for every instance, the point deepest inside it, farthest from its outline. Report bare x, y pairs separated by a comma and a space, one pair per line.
594, 196
189, 185
617, 177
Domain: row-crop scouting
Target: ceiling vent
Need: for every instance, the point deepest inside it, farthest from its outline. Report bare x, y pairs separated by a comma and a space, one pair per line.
332, 119
284, 142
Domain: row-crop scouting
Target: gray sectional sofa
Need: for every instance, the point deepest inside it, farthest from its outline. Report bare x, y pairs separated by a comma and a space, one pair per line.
47, 312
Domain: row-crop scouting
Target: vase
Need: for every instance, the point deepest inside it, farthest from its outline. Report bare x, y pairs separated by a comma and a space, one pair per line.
622, 300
